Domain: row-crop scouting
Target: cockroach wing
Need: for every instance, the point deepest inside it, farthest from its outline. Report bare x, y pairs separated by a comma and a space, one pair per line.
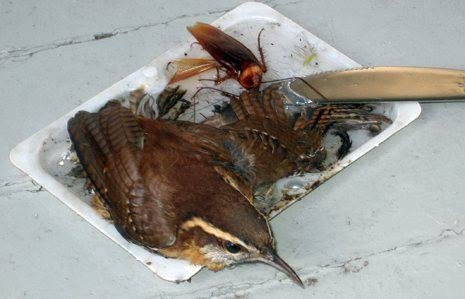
188, 67
228, 51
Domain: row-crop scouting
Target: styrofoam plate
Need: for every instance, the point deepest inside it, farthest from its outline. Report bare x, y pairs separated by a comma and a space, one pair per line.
287, 46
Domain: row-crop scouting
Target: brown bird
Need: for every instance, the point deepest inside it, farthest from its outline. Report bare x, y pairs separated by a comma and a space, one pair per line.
187, 190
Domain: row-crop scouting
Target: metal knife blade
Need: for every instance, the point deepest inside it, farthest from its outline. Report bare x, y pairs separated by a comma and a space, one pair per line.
383, 84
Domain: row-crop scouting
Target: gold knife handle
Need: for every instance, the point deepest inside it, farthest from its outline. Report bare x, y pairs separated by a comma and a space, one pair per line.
378, 84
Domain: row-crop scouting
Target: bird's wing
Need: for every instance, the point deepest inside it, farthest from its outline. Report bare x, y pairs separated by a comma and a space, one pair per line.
264, 132
109, 145
264, 115
217, 148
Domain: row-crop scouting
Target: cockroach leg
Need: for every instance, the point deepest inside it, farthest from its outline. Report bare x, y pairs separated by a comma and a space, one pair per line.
224, 93
194, 109
218, 79
168, 65
217, 73
194, 43
203, 115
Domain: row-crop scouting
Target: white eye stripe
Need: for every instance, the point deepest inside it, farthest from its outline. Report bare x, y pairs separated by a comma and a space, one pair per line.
213, 230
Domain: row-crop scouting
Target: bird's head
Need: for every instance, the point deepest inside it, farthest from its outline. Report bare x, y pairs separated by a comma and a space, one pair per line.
220, 245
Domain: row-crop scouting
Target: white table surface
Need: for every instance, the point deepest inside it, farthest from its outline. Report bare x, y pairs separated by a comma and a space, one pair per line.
391, 225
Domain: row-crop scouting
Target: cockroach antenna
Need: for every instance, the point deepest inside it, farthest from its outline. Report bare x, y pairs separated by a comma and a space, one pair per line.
301, 79
260, 50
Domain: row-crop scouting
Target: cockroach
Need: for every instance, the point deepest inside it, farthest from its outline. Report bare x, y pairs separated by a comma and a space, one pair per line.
227, 52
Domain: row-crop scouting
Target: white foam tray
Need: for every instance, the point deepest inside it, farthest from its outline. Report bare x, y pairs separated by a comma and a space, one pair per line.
43, 155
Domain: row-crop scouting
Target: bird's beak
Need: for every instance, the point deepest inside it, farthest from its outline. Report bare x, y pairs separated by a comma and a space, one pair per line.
278, 263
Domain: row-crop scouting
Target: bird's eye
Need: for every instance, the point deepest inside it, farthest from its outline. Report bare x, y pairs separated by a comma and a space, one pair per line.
232, 247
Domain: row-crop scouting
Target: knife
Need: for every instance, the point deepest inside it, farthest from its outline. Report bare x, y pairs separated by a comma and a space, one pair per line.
380, 84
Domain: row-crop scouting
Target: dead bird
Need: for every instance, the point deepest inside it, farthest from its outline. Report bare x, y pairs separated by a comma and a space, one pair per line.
186, 190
